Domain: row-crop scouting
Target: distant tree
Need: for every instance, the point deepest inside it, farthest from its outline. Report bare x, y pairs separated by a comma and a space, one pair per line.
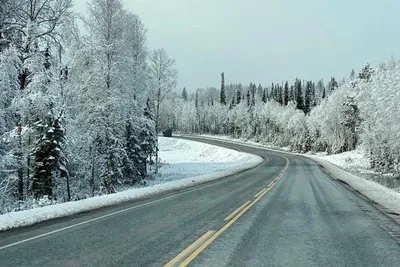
333, 85
248, 98
196, 101
299, 95
264, 95
366, 73
223, 95
286, 94
352, 74
308, 98
184, 94
292, 94
238, 97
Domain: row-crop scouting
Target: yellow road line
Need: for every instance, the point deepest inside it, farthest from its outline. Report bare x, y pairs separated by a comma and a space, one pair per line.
219, 232
230, 216
271, 184
256, 195
189, 249
228, 224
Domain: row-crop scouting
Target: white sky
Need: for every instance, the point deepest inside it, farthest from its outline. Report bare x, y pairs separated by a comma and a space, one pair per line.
266, 41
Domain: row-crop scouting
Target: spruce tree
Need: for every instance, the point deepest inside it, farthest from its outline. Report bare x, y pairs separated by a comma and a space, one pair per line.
196, 101
286, 94
333, 85
238, 97
299, 95
184, 94
223, 95
308, 98
248, 98
264, 95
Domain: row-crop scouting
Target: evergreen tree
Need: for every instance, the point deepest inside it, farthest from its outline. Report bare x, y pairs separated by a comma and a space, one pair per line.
280, 95
184, 94
51, 163
264, 95
333, 85
299, 95
222, 95
286, 94
238, 97
260, 90
308, 98
196, 101
313, 96
292, 94
248, 98
366, 73
352, 74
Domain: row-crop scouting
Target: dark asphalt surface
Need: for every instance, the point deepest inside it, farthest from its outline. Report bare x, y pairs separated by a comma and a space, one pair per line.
306, 219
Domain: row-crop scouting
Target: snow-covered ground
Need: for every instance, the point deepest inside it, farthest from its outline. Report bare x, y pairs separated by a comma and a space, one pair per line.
339, 166
184, 159
187, 163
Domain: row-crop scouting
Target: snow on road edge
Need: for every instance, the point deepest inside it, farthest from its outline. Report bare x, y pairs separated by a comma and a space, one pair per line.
382, 195
29, 217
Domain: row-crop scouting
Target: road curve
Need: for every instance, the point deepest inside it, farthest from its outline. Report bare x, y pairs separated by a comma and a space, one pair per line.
286, 212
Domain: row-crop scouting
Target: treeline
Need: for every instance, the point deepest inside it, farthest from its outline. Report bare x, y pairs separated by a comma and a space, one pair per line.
304, 116
78, 112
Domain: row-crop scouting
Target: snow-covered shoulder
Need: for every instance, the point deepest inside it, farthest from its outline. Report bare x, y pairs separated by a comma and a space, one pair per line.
186, 163
339, 166
382, 195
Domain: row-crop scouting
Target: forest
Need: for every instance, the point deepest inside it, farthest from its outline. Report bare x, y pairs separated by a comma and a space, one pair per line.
78, 108
358, 112
82, 99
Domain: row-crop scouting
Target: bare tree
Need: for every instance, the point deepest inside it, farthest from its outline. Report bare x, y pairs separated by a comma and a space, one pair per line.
163, 77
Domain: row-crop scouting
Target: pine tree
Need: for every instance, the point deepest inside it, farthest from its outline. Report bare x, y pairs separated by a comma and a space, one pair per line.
280, 95
299, 95
253, 98
238, 97
313, 95
292, 94
222, 95
286, 94
196, 101
264, 95
308, 98
248, 98
333, 85
184, 94
366, 73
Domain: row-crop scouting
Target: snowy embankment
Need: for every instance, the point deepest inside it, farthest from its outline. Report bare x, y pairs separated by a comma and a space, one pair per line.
186, 163
337, 166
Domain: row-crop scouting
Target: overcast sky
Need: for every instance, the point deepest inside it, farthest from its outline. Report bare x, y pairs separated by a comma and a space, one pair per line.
266, 41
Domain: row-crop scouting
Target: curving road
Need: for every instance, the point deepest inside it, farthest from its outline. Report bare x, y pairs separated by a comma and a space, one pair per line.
286, 212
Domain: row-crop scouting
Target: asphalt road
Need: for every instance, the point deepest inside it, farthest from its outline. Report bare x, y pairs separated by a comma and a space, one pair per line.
288, 213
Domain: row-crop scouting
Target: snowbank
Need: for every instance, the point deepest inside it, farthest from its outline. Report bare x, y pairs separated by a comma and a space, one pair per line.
188, 163
335, 165
380, 194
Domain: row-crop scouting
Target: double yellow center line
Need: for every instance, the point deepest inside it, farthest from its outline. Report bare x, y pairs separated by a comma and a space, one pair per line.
204, 241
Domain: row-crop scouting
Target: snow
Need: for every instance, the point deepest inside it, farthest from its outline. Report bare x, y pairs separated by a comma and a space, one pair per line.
336, 165
187, 163
203, 159
351, 160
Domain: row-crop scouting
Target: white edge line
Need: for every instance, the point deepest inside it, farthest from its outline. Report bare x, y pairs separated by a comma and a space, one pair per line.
124, 210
